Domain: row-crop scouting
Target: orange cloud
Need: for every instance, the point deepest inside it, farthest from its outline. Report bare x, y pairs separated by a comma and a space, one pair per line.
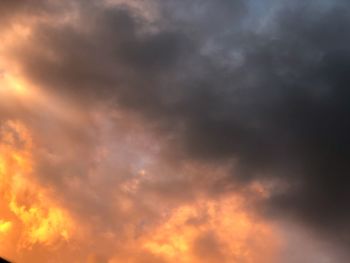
28, 215
206, 230
214, 231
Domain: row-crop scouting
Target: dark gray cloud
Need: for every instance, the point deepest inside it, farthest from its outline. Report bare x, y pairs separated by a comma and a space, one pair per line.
267, 89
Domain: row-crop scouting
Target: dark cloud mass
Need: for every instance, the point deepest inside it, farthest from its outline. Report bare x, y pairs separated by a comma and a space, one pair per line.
263, 87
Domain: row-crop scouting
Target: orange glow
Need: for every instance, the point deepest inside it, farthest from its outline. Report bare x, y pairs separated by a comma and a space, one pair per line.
223, 226
14, 85
24, 204
5, 226
16, 91
205, 231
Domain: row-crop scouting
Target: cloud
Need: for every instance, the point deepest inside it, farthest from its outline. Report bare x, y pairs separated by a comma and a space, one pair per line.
261, 90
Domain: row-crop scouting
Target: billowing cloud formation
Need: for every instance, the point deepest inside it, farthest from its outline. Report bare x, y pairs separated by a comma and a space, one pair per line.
58, 207
241, 92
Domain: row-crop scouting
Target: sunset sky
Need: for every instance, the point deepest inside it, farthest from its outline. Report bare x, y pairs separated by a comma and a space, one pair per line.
175, 131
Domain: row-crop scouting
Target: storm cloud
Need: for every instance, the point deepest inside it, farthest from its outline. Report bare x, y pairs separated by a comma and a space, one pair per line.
261, 87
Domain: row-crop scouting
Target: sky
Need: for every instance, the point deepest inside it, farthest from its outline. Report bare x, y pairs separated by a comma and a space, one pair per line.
163, 131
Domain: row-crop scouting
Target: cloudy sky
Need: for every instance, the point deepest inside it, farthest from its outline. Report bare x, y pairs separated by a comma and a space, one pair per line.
174, 131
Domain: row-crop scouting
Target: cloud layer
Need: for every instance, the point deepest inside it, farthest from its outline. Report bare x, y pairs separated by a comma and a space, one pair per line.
238, 91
